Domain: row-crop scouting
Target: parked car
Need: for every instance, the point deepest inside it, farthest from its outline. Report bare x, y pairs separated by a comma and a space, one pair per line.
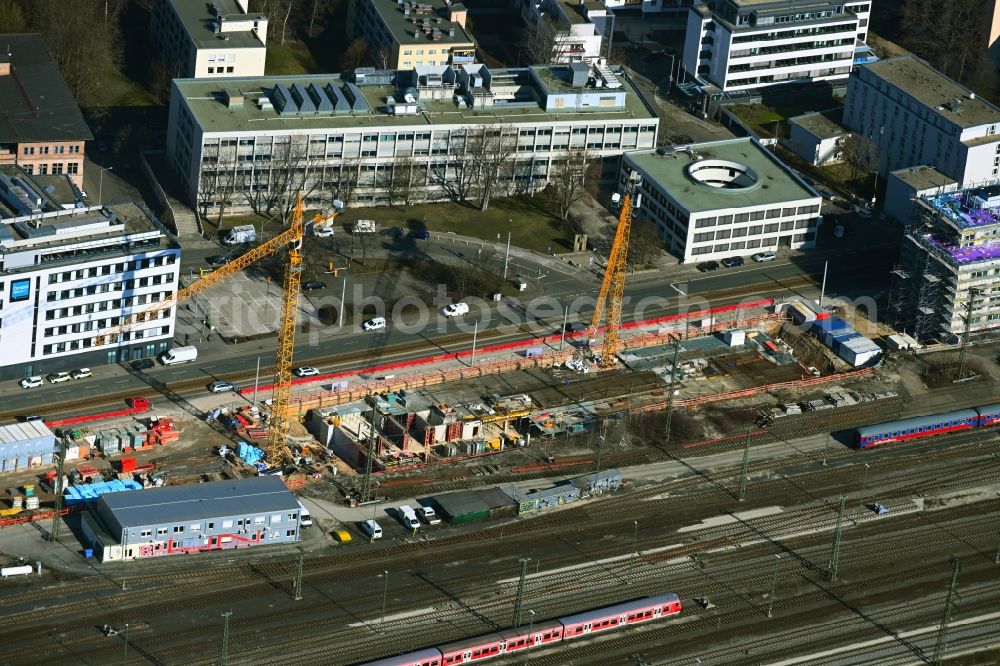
371, 529
456, 309
732, 262
58, 377
394, 232
217, 260
707, 266
31, 382
313, 285
420, 235
322, 231
28, 418
374, 324
81, 373
761, 257
426, 514
142, 364
342, 536
306, 371
221, 387
575, 327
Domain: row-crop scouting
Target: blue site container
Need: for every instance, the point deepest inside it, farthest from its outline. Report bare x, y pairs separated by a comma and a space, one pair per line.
821, 327
837, 341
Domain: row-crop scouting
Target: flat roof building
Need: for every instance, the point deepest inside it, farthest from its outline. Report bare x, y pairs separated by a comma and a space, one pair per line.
194, 518
215, 39
403, 34
723, 198
952, 259
746, 44
355, 136
41, 127
905, 186
915, 115
66, 276
25, 445
815, 137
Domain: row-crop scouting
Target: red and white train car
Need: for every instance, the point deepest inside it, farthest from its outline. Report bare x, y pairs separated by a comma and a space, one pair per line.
471, 650
620, 615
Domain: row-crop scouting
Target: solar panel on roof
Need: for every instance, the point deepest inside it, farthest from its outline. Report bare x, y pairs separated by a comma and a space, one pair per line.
357, 99
283, 100
336, 95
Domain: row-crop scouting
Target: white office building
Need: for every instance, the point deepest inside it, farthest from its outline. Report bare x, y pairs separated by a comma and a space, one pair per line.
915, 115
217, 39
723, 198
745, 44
67, 275
581, 28
357, 136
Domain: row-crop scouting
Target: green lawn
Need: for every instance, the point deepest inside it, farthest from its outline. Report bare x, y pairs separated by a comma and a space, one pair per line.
531, 225
290, 58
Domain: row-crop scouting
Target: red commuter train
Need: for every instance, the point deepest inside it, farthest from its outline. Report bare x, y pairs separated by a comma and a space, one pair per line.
537, 634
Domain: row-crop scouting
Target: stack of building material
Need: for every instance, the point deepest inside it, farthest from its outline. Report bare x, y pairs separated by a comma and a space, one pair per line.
89, 492
249, 454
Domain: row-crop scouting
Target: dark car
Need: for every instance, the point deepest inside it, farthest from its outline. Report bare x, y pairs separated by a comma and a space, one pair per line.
575, 327
217, 260
394, 232
142, 364
27, 418
732, 262
313, 285
420, 235
706, 266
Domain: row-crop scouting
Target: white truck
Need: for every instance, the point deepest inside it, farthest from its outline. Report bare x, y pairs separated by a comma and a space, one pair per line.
364, 227
408, 517
179, 355
244, 233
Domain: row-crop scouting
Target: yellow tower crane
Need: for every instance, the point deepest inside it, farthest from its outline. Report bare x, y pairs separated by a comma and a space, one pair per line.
613, 286
291, 239
281, 393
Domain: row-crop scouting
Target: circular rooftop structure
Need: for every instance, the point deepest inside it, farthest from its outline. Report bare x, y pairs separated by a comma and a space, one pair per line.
723, 174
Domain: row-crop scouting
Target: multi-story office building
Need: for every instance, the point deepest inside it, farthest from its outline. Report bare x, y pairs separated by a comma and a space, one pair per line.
41, 127
915, 115
403, 34
353, 136
579, 30
743, 44
950, 260
219, 38
193, 518
67, 275
723, 198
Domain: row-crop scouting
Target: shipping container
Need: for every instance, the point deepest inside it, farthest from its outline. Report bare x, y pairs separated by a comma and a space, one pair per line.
859, 351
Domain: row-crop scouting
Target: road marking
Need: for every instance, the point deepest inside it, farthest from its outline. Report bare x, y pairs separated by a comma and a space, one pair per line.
682, 292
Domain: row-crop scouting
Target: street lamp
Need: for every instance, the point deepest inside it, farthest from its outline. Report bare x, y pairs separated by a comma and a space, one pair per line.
531, 639
100, 184
774, 580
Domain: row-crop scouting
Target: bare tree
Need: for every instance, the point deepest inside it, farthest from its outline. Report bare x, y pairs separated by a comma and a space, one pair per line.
347, 180
402, 183
226, 178
858, 153
491, 149
644, 243
568, 179
540, 41
289, 173
354, 55
458, 175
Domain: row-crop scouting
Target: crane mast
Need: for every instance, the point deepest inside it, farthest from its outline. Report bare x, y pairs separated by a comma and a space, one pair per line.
612, 294
281, 394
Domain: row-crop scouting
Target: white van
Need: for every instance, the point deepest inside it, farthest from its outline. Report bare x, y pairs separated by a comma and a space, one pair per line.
374, 324
408, 517
372, 529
